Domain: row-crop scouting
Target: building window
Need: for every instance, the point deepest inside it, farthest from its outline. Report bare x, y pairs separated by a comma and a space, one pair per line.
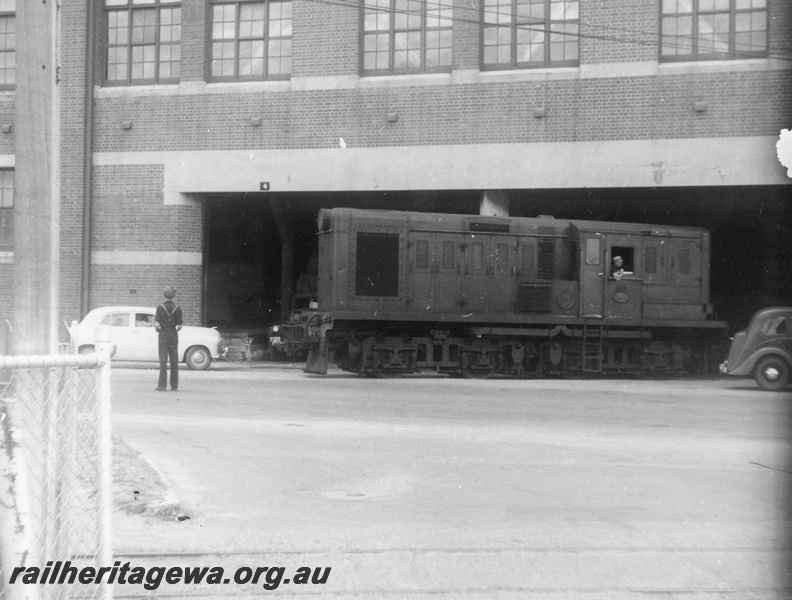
143, 41
7, 49
713, 29
406, 36
6, 209
251, 40
530, 33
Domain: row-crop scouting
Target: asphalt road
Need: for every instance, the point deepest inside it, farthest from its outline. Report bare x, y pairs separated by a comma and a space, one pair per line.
446, 488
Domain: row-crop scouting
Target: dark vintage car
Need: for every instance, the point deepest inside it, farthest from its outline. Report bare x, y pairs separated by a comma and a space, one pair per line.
287, 339
764, 350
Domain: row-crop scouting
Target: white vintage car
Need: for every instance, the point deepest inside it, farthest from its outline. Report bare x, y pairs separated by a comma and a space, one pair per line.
133, 337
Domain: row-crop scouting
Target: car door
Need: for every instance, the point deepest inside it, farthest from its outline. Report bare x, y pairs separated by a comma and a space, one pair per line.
120, 333
144, 337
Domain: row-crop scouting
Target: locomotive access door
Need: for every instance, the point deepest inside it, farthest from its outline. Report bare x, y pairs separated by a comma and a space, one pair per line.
436, 267
592, 275
489, 274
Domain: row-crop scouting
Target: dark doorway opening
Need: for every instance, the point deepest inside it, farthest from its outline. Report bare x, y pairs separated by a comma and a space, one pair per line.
751, 236
243, 247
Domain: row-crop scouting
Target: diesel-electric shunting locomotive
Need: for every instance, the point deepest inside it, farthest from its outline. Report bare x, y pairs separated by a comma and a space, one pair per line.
475, 296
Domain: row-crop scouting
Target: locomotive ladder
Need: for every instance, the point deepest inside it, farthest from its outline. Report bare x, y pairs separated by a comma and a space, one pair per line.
593, 334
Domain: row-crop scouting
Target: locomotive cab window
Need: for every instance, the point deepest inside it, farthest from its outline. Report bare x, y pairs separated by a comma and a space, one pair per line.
592, 251
377, 264
622, 259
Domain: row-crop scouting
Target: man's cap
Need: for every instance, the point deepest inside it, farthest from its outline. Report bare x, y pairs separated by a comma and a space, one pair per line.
617, 258
170, 292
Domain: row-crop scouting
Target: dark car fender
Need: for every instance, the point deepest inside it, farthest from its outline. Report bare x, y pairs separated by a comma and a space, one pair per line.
749, 364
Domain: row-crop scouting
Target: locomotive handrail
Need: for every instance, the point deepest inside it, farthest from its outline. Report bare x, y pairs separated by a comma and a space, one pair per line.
532, 235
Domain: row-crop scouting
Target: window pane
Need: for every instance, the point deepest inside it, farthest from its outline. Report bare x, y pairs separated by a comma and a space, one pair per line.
6, 189
592, 251
117, 62
710, 5
534, 32
6, 227
257, 39
251, 21
137, 36
223, 22
530, 46
411, 35
725, 28
713, 33
143, 26
7, 50
677, 35
279, 57
223, 59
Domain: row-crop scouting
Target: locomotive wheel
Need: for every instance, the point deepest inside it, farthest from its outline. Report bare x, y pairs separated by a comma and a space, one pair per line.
484, 373
383, 373
772, 373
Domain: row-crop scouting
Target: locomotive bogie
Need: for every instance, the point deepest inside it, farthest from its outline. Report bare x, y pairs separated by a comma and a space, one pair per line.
512, 296
577, 352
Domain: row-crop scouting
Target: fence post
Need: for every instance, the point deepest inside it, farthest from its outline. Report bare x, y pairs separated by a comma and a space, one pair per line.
16, 534
105, 443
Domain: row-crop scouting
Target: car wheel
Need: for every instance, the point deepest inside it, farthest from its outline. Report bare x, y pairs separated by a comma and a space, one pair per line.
772, 373
198, 358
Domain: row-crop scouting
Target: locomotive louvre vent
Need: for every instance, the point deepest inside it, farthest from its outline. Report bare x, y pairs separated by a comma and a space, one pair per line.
534, 298
546, 258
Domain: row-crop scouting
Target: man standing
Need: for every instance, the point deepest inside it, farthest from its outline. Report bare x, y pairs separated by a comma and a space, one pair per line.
168, 322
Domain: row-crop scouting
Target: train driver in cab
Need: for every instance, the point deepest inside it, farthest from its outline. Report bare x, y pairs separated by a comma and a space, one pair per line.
617, 270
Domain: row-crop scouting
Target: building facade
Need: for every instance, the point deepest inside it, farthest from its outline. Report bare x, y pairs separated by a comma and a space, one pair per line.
200, 137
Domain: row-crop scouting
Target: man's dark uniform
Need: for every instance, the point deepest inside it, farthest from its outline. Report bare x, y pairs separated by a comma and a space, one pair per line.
168, 321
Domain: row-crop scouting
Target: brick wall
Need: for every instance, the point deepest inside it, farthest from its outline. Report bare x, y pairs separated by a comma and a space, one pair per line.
129, 210
624, 31
466, 34
129, 216
331, 32
129, 213
194, 20
142, 285
740, 104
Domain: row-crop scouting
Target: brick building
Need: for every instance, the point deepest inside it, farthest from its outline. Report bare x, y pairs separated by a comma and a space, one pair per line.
200, 137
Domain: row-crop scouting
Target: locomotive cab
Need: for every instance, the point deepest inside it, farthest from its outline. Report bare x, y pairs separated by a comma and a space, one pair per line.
610, 280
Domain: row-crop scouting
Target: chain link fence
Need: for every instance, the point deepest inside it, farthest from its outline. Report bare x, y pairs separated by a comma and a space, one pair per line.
55, 474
